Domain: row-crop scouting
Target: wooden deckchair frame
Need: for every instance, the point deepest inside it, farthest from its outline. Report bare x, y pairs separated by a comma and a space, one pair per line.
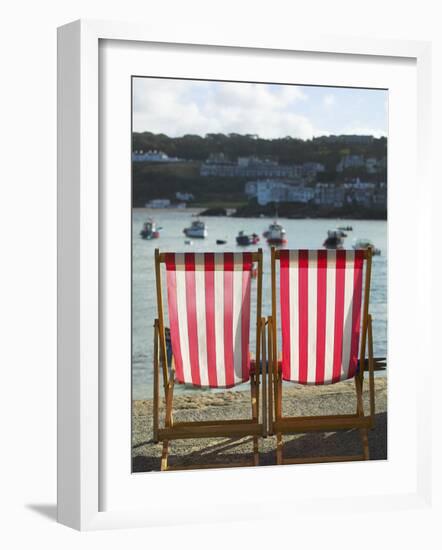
280, 425
236, 428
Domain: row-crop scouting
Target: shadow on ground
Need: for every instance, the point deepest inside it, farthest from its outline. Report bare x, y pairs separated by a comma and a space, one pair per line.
305, 445
49, 511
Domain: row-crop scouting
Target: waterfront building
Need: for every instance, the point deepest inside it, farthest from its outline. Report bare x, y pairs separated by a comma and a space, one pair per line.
253, 167
350, 161
152, 156
183, 196
329, 194
311, 168
371, 165
158, 203
271, 190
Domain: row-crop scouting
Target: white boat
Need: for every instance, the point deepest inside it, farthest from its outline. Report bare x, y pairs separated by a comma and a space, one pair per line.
197, 230
275, 234
364, 244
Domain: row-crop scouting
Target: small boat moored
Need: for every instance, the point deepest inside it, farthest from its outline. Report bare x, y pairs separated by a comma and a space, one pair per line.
197, 230
245, 240
364, 244
150, 230
275, 234
334, 240
220, 241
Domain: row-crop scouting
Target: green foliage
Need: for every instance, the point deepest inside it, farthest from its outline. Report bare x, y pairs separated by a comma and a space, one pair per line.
286, 150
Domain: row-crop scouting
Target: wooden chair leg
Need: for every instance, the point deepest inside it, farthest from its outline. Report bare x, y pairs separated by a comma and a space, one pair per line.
253, 392
165, 456
371, 371
275, 393
169, 405
156, 385
278, 414
270, 373
264, 378
168, 422
365, 448
360, 411
253, 398
371, 388
279, 446
255, 451
264, 397
359, 398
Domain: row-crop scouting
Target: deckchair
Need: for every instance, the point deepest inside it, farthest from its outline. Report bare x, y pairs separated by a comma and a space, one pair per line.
323, 318
209, 307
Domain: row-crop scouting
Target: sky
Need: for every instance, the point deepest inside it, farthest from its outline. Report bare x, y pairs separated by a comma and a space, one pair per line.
177, 107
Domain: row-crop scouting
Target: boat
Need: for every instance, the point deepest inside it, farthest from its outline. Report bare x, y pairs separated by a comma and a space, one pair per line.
150, 230
364, 244
275, 234
334, 240
245, 240
220, 241
188, 241
346, 228
197, 230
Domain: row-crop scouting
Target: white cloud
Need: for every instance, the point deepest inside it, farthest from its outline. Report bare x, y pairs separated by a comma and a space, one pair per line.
177, 107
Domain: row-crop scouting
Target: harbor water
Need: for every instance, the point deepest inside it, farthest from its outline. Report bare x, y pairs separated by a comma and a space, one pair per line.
303, 233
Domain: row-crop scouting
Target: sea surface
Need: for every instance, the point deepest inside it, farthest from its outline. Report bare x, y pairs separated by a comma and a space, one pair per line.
305, 233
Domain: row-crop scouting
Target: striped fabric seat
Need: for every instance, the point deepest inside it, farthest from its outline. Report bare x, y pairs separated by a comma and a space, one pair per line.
209, 315
320, 300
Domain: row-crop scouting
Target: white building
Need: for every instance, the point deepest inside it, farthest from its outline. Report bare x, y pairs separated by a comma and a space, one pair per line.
329, 194
243, 161
152, 156
158, 203
250, 189
358, 184
372, 165
182, 196
299, 193
350, 161
252, 167
311, 168
217, 158
270, 190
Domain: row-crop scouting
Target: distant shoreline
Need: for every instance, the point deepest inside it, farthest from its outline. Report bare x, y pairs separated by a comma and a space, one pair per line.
198, 210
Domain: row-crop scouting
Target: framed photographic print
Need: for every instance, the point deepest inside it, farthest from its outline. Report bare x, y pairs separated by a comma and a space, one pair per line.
236, 222
246, 182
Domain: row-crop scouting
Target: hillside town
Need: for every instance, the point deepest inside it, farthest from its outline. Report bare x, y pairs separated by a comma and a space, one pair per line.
277, 183
271, 182
322, 176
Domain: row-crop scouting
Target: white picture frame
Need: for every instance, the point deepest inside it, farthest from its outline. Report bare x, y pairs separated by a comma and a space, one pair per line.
80, 397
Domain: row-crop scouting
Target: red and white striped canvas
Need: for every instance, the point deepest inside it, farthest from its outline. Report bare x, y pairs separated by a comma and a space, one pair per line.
209, 316
320, 297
